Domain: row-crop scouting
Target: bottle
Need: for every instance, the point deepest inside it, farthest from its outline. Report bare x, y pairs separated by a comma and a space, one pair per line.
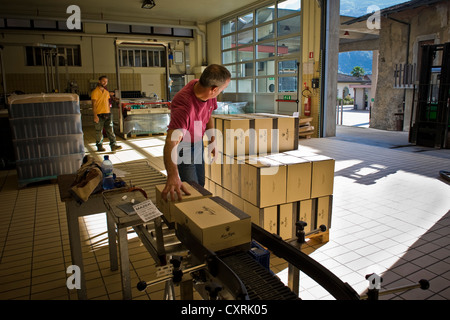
108, 177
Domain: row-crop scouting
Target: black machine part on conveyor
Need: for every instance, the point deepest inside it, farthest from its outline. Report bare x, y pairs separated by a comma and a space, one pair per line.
304, 263
216, 267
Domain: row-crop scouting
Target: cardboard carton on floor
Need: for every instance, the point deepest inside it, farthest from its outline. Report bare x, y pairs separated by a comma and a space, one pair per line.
167, 208
215, 223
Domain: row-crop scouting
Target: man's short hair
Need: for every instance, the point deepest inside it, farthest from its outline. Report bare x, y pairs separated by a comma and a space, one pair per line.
102, 77
214, 76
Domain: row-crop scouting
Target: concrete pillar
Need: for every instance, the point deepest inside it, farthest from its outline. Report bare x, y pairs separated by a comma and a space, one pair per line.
331, 68
373, 91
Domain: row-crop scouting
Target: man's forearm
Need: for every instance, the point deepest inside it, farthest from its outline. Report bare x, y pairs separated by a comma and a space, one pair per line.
169, 163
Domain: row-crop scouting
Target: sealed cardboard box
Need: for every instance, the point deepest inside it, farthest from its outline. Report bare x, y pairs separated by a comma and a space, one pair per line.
226, 172
236, 175
305, 214
263, 182
237, 201
323, 211
322, 176
266, 218
287, 214
167, 208
298, 176
287, 129
216, 169
214, 222
236, 136
260, 134
218, 126
300, 153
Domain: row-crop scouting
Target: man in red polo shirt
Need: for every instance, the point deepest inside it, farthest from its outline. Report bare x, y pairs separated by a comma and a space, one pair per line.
191, 110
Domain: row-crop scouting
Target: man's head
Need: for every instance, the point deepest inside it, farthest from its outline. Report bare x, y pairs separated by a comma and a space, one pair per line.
216, 78
103, 81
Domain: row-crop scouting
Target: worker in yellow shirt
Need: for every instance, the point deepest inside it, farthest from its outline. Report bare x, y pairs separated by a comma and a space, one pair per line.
102, 115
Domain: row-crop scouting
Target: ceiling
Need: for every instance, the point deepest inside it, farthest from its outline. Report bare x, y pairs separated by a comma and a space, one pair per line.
181, 11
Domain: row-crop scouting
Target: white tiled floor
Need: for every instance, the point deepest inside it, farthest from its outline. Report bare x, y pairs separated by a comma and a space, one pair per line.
390, 216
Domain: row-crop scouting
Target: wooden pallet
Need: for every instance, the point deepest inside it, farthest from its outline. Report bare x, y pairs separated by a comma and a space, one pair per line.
143, 134
305, 130
157, 134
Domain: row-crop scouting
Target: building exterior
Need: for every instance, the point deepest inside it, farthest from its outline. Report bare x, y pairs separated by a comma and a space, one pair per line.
404, 28
357, 88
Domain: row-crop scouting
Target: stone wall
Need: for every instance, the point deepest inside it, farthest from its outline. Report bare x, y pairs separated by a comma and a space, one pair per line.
427, 23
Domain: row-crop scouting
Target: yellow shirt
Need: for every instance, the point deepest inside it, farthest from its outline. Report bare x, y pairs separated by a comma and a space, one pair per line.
101, 103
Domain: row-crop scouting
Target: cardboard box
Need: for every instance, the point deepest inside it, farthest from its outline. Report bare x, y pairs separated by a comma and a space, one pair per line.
215, 223
216, 169
237, 201
218, 191
236, 136
266, 218
207, 184
287, 126
286, 215
167, 208
322, 176
305, 214
298, 176
226, 195
323, 211
288, 133
260, 138
263, 182
236, 175
226, 172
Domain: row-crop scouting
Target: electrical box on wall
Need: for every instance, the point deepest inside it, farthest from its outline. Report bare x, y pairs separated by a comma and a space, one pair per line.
178, 57
315, 83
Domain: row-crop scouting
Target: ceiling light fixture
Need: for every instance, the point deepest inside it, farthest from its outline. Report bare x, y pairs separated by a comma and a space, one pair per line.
148, 4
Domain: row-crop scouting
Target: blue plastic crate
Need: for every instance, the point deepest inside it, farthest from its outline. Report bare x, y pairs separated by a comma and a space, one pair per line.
261, 255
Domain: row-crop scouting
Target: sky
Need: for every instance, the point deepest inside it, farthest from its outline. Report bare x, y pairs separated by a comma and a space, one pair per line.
358, 8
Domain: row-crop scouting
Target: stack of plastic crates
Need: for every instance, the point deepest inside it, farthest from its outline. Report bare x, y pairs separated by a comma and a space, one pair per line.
47, 135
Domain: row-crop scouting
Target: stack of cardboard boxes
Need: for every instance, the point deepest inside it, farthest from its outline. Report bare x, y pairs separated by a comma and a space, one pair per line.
258, 176
267, 177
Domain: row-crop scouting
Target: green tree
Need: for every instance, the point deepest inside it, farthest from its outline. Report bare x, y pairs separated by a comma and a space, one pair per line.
358, 72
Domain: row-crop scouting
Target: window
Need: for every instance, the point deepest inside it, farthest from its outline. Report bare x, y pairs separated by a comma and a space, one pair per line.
35, 55
139, 29
140, 57
261, 48
288, 7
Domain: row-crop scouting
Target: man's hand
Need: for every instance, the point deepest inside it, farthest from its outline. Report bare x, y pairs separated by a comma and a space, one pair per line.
174, 185
96, 120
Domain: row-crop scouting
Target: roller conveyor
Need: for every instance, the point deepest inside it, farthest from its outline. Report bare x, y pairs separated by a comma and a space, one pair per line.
260, 283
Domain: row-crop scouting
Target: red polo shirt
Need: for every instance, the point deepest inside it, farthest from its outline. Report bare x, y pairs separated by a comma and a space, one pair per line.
190, 113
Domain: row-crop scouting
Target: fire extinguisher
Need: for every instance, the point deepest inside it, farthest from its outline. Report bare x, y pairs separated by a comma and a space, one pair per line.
307, 101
